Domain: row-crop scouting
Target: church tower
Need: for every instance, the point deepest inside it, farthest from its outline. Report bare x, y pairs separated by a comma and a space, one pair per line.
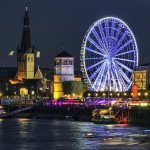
25, 53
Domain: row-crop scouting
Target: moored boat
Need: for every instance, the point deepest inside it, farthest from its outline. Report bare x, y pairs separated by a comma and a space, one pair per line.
103, 116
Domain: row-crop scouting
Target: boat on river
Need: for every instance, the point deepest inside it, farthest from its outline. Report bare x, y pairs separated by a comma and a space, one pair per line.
103, 116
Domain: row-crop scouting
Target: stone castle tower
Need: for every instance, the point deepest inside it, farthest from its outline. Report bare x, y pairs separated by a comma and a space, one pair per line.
63, 71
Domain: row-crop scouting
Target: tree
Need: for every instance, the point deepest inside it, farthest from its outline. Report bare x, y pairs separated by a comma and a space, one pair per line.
72, 87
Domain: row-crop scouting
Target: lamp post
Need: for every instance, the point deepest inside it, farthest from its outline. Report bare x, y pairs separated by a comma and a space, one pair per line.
139, 94
125, 94
32, 93
104, 94
41, 92
146, 94
118, 94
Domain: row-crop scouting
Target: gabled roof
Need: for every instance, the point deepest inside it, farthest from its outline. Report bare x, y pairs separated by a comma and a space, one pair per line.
63, 54
38, 74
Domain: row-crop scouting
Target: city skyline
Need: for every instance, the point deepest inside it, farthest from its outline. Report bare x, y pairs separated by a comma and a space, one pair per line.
59, 24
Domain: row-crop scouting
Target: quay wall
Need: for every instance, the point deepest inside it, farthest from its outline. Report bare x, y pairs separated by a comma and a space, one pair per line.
139, 116
54, 112
134, 116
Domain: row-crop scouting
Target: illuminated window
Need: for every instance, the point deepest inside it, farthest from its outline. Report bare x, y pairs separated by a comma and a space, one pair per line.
23, 91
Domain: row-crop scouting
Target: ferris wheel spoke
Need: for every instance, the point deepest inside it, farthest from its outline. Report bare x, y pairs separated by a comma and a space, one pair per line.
128, 52
104, 83
123, 46
118, 32
99, 41
128, 60
99, 77
93, 58
113, 78
124, 86
121, 78
123, 74
95, 44
116, 74
102, 35
96, 72
89, 68
121, 39
112, 28
123, 66
106, 28
94, 51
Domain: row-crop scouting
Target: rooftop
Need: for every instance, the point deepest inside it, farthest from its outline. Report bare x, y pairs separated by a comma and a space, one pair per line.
63, 54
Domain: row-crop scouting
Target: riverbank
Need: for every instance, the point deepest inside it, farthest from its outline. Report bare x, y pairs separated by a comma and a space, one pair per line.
54, 112
134, 116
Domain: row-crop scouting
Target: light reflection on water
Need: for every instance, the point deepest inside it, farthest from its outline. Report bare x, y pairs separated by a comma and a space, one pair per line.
25, 134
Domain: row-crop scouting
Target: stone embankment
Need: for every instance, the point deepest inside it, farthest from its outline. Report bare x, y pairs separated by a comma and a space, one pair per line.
139, 116
134, 115
54, 112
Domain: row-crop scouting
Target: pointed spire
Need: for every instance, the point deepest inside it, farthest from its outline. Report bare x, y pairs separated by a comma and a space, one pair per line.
33, 47
26, 39
26, 5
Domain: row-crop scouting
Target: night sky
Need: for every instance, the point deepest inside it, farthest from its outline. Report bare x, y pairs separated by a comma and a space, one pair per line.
63, 23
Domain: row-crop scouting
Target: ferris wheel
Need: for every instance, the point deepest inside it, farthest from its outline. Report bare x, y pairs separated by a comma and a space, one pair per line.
108, 55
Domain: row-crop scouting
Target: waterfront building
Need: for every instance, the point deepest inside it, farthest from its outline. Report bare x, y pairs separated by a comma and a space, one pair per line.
141, 77
27, 82
63, 71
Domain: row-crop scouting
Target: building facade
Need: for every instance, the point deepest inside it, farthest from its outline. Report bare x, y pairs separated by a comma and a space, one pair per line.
141, 77
25, 53
63, 71
24, 81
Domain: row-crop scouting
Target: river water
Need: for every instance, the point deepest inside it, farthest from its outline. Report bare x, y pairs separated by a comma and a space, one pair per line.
38, 134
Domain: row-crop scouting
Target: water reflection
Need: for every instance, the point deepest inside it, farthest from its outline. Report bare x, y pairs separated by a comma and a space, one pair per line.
24, 134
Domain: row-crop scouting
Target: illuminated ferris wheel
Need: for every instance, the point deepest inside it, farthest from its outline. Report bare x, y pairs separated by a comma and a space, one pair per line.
108, 55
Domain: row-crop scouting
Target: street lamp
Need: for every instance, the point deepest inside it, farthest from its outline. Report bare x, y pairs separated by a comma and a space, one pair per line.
139, 94
41, 92
104, 94
118, 94
125, 94
89, 94
146, 94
